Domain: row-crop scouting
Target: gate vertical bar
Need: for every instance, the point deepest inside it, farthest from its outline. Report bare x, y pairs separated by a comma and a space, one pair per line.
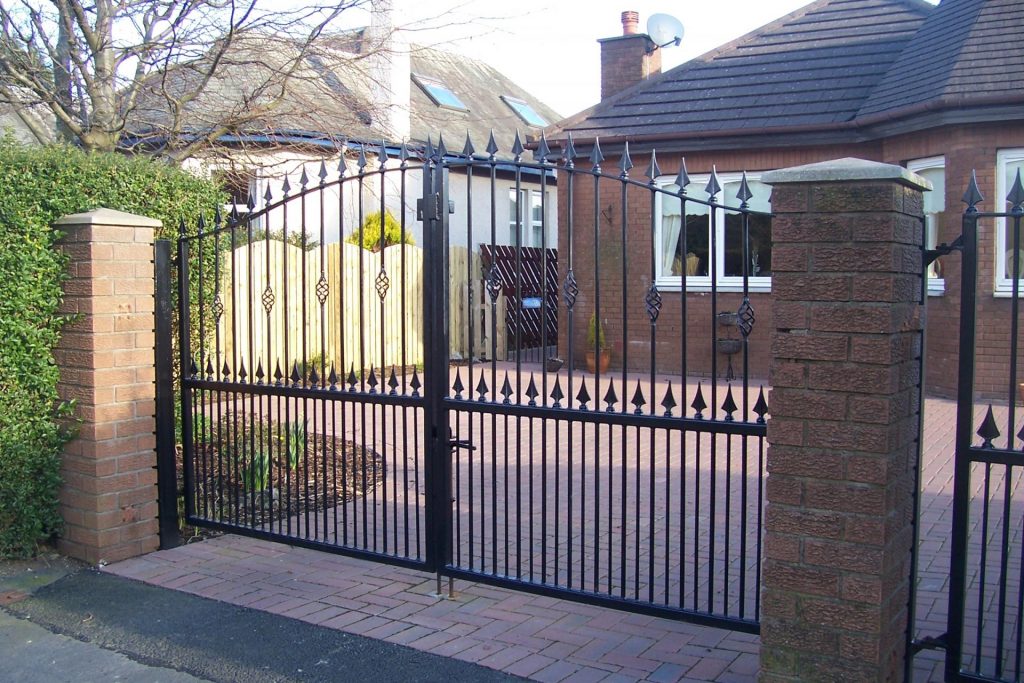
167, 480
185, 358
434, 214
962, 464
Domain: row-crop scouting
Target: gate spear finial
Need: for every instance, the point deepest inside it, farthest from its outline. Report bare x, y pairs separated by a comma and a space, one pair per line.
973, 195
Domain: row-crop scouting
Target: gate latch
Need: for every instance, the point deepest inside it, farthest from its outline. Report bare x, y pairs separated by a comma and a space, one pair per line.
429, 208
454, 443
930, 643
942, 250
460, 443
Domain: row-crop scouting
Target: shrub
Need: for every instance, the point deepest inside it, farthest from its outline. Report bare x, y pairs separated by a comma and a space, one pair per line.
371, 232
595, 334
37, 186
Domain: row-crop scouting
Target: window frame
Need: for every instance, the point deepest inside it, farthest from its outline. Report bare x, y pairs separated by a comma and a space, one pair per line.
526, 223
936, 285
522, 109
1003, 284
425, 83
703, 283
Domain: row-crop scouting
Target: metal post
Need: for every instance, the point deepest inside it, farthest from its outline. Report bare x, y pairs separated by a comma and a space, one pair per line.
912, 645
167, 478
185, 357
962, 465
434, 214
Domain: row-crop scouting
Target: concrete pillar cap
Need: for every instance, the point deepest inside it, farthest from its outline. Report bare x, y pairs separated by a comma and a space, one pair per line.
845, 170
103, 216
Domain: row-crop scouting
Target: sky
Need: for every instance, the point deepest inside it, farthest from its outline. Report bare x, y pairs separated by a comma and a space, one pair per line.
549, 47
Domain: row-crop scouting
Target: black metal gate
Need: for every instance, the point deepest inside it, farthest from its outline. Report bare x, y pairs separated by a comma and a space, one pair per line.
320, 405
984, 640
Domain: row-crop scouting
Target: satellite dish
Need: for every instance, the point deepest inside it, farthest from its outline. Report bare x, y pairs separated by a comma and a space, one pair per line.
664, 29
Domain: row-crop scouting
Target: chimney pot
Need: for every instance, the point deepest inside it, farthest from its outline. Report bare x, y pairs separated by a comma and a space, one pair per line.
630, 22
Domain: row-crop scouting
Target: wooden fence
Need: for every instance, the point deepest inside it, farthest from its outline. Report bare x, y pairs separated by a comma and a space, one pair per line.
327, 305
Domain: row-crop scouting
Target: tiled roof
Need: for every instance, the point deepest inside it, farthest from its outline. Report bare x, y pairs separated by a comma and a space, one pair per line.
834, 65
814, 67
480, 86
331, 96
967, 50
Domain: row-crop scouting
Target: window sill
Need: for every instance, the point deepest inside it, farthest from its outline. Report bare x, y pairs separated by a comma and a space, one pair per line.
1004, 289
700, 285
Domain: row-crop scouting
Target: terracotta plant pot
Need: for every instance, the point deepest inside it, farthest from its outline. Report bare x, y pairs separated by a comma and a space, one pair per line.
606, 360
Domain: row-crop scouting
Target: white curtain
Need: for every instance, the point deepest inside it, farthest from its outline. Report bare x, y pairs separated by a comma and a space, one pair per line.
671, 222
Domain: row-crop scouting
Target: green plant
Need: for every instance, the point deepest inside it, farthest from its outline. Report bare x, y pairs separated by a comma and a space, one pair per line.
256, 472
316, 362
370, 231
295, 438
37, 186
595, 334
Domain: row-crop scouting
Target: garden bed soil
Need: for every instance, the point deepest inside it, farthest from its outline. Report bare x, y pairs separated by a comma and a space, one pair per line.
328, 472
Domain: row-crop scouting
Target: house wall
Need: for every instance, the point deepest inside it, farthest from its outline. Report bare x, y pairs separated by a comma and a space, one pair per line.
700, 307
965, 148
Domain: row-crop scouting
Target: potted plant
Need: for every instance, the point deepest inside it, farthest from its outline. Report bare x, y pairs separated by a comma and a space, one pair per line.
596, 340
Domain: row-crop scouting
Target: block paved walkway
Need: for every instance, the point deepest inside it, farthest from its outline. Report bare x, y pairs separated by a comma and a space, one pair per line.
541, 638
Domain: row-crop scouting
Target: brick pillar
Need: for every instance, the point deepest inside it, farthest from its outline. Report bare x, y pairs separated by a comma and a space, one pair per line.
844, 406
108, 498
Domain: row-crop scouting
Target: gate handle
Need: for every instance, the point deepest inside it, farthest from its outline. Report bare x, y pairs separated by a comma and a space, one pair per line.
461, 443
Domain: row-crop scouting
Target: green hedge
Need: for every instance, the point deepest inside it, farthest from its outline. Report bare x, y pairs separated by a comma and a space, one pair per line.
37, 186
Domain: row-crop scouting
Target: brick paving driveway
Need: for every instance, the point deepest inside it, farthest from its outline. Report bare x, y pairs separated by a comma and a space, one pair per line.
538, 637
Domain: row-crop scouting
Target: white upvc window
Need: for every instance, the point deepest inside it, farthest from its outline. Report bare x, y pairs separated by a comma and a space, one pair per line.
932, 169
1008, 163
526, 218
683, 236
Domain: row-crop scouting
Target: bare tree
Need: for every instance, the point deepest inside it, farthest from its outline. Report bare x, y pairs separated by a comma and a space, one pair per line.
175, 75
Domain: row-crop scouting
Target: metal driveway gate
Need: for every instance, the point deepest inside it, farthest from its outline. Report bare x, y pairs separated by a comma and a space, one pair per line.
984, 640
320, 405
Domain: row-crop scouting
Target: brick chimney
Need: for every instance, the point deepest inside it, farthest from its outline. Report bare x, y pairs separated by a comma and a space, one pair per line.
627, 59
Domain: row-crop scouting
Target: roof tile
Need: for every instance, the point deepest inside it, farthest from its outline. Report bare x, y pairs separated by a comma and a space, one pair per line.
771, 77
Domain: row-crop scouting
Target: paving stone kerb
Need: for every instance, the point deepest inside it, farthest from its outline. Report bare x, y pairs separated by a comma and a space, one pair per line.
847, 278
108, 498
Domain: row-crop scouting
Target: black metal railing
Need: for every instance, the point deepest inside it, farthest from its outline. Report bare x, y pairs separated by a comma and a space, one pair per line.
984, 639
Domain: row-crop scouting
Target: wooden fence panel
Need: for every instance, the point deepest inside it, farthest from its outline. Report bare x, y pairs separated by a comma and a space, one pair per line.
352, 328
465, 293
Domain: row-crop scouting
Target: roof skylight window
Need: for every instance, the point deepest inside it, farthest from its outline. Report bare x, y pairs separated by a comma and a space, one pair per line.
439, 93
525, 112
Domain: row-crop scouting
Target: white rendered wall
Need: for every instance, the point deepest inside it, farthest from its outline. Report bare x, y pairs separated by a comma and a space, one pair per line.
338, 213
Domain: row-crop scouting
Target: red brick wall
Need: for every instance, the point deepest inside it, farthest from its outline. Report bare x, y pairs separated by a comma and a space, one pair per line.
965, 148
108, 498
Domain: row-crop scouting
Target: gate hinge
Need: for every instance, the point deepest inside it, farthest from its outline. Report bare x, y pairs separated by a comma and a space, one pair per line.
429, 208
942, 250
929, 643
